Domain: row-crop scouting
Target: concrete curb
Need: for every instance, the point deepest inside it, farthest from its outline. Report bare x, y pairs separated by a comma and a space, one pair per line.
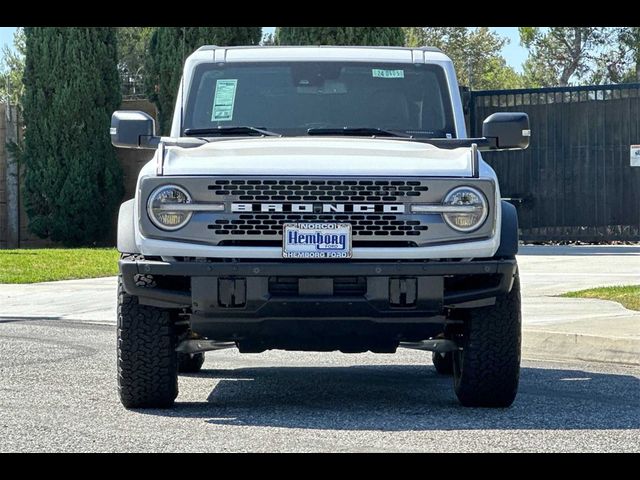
576, 346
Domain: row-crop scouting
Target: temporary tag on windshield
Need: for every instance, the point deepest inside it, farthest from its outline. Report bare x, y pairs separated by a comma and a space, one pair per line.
223, 100
380, 73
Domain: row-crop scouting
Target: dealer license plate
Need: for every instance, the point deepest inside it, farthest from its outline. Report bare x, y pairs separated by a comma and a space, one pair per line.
316, 240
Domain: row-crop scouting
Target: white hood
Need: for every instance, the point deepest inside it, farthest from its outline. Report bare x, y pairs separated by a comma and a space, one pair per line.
318, 156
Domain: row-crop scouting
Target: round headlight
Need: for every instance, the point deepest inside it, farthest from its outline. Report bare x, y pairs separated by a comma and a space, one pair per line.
473, 209
164, 207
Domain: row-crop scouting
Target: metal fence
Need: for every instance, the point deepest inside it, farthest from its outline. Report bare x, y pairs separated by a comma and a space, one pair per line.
132, 86
575, 182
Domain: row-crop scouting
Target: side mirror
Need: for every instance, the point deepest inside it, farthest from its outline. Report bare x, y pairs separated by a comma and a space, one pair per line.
132, 129
507, 130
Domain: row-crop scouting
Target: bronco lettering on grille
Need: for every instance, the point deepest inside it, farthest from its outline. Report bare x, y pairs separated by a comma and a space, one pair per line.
317, 207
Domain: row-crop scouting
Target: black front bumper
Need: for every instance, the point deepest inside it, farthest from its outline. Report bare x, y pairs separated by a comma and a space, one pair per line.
242, 291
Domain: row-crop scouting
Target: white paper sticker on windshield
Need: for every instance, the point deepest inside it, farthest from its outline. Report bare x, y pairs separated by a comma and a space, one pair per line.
380, 73
635, 155
223, 100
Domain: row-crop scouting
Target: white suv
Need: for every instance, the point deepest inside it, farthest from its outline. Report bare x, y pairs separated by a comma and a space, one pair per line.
318, 198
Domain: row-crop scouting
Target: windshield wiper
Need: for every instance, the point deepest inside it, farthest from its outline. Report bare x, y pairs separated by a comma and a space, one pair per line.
357, 131
229, 131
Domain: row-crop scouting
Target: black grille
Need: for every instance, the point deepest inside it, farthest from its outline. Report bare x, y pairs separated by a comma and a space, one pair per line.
319, 190
368, 228
342, 286
362, 225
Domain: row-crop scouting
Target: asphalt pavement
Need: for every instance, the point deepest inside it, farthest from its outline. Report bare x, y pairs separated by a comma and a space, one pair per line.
57, 382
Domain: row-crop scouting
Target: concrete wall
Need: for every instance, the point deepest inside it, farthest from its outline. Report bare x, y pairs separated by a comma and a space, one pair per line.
130, 160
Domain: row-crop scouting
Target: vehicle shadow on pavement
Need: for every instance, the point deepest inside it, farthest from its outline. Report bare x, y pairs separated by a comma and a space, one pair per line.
582, 250
408, 398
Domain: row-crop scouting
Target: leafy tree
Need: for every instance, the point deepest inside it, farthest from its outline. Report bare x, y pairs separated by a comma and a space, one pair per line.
629, 43
612, 65
620, 60
12, 68
537, 73
560, 55
73, 181
475, 52
393, 36
132, 48
170, 46
498, 75
132, 53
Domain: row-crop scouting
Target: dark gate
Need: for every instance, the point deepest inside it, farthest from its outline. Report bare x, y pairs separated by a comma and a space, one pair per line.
574, 182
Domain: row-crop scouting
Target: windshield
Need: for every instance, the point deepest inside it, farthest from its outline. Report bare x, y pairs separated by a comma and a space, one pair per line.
290, 98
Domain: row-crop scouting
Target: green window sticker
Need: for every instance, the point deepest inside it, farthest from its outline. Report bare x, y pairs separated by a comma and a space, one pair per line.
380, 73
223, 100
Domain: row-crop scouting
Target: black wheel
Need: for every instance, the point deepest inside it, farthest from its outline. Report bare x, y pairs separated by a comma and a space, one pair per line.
147, 360
443, 362
190, 362
487, 369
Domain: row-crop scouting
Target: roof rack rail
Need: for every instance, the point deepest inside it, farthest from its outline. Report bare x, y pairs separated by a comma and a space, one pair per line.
430, 49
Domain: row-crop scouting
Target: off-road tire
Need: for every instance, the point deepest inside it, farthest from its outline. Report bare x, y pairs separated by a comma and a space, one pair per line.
487, 369
443, 362
190, 362
147, 360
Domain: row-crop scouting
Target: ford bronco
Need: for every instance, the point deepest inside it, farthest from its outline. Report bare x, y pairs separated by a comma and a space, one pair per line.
318, 199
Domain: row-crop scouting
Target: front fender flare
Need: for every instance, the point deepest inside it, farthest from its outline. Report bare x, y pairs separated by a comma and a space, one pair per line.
126, 228
509, 234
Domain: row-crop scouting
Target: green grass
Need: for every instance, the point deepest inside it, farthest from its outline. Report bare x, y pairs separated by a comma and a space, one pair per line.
628, 296
47, 265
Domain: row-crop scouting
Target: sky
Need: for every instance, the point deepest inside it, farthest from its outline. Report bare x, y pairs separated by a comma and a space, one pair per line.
6, 36
513, 53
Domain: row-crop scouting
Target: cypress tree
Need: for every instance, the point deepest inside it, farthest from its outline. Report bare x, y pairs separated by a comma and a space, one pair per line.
169, 47
374, 36
73, 181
